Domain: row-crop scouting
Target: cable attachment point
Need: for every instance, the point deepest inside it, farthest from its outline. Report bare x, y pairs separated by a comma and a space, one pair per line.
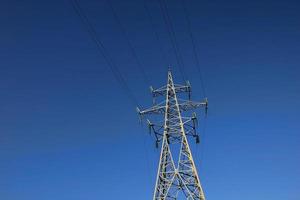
153, 96
150, 126
140, 115
206, 105
156, 144
195, 120
189, 90
197, 139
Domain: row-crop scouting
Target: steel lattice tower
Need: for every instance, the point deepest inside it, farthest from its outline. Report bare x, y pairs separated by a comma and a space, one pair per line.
179, 174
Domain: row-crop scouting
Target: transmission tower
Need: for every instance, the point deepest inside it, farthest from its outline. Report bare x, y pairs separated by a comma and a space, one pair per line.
176, 170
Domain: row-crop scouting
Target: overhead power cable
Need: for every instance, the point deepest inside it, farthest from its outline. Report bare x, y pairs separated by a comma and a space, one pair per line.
132, 49
154, 28
187, 17
189, 24
172, 35
140, 66
102, 50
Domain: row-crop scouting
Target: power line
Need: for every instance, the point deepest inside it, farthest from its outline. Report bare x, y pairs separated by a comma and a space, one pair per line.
187, 17
141, 68
113, 67
132, 49
172, 36
189, 24
154, 28
102, 50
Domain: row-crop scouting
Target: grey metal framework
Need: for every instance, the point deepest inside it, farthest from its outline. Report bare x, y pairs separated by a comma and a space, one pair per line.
180, 174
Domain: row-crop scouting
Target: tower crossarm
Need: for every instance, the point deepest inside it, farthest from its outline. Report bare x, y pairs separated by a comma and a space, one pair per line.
184, 105
177, 87
156, 109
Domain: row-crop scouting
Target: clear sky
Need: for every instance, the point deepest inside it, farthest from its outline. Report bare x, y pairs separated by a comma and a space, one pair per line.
68, 131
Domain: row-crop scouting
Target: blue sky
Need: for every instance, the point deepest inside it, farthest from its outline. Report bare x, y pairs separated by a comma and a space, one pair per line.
68, 131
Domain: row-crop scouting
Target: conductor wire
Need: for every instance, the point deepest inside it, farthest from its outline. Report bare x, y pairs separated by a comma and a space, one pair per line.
102, 50
131, 47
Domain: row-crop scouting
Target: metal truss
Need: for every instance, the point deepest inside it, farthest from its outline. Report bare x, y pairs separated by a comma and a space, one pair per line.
178, 175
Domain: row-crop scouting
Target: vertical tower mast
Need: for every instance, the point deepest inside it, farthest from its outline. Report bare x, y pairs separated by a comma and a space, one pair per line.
177, 175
